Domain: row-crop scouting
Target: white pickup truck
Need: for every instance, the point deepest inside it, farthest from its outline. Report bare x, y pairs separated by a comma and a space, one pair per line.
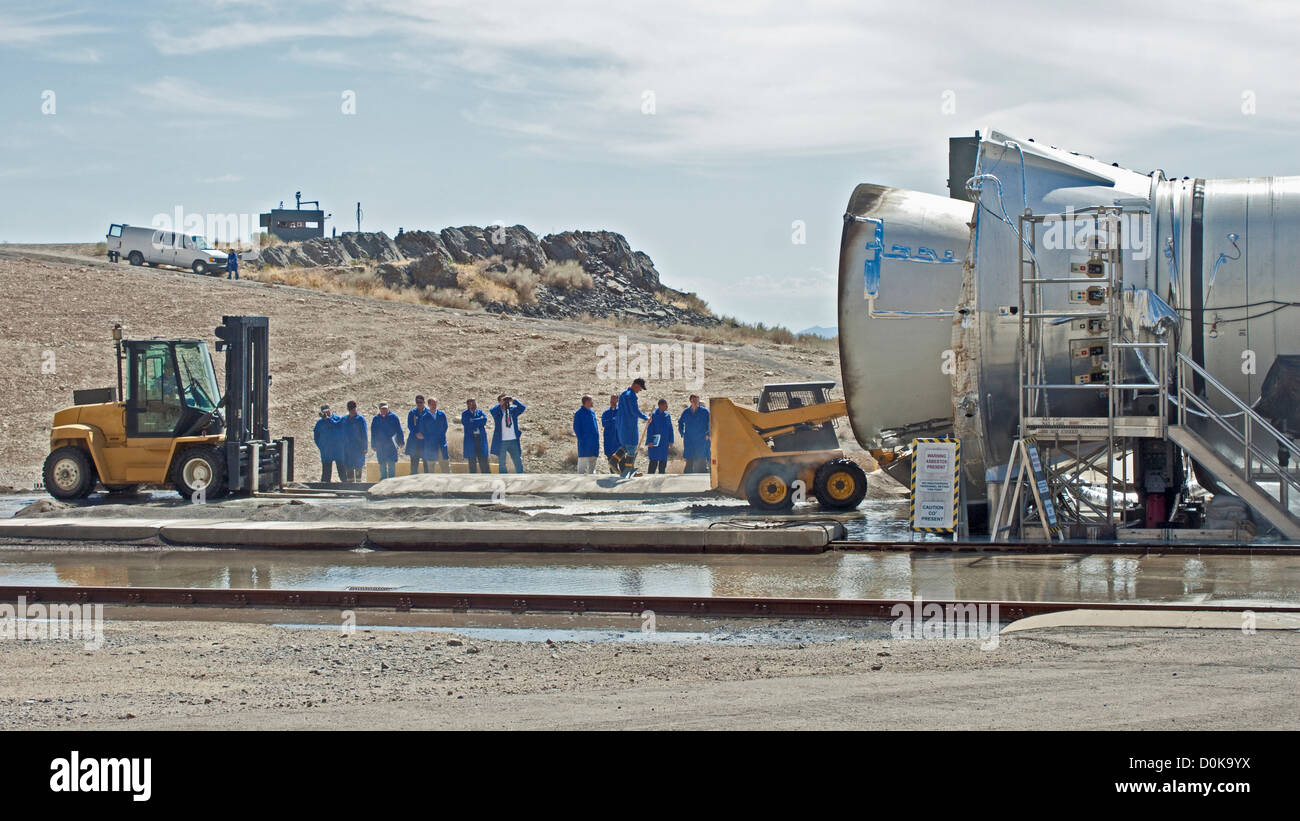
139, 245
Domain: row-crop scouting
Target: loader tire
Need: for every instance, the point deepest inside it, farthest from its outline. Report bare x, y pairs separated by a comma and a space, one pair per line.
200, 469
840, 484
69, 473
769, 488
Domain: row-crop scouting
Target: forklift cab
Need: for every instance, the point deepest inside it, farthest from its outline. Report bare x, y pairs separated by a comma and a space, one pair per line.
171, 388
788, 395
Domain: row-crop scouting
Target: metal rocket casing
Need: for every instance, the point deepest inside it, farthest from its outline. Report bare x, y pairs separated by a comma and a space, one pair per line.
924, 337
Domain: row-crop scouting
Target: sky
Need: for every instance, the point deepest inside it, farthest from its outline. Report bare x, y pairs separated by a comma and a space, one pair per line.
723, 139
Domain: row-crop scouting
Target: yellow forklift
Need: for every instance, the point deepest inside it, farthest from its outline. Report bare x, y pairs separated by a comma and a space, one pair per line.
168, 424
759, 455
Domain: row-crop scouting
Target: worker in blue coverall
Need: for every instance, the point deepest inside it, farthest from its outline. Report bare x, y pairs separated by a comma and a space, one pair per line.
385, 438
474, 421
505, 432
629, 417
658, 436
328, 434
609, 427
232, 264
693, 425
355, 444
435, 440
588, 433
415, 417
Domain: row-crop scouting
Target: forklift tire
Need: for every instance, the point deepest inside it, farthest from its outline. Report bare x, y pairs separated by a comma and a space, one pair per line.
840, 484
768, 488
69, 473
200, 468
135, 258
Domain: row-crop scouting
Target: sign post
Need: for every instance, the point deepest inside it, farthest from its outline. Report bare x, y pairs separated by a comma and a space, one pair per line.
936, 485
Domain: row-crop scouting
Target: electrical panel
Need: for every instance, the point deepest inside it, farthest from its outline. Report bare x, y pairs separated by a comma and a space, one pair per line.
1089, 362
1092, 295
1094, 267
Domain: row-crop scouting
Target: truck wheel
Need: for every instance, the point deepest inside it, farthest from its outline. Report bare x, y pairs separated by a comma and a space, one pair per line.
135, 258
201, 468
840, 484
768, 488
69, 473
199, 267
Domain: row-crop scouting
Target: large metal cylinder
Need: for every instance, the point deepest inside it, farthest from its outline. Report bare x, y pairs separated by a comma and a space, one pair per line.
1218, 254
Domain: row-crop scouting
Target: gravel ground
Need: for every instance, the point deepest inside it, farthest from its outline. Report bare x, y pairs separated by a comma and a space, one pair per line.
200, 675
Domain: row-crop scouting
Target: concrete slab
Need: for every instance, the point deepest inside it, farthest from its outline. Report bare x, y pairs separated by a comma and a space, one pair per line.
114, 529
522, 535
602, 536
477, 485
265, 534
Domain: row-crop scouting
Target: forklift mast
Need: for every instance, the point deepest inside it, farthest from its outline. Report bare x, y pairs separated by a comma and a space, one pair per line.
248, 381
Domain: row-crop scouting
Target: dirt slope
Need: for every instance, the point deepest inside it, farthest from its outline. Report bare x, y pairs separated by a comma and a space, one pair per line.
59, 307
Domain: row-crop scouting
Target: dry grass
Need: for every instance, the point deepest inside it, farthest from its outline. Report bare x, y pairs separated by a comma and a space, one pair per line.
683, 300
492, 280
566, 276
358, 280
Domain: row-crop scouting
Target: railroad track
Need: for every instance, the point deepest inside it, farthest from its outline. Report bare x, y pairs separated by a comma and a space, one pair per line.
700, 606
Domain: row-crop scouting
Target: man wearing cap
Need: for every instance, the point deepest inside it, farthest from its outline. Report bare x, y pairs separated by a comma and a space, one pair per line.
328, 434
629, 421
386, 437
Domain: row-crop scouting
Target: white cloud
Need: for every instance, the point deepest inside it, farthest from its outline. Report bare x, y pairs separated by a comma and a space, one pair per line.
180, 96
321, 57
825, 77
835, 77
235, 34
84, 56
41, 30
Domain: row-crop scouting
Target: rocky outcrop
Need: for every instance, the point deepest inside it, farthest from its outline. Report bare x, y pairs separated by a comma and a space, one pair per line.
623, 281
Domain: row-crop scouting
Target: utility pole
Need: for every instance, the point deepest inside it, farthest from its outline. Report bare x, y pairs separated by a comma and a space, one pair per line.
358, 218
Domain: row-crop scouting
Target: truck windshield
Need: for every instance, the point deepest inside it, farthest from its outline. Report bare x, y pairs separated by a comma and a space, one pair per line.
198, 242
198, 379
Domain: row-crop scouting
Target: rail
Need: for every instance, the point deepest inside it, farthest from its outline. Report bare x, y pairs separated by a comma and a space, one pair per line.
523, 603
1253, 426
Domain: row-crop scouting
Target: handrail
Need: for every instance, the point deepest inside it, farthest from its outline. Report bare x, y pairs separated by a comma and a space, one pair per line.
1251, 419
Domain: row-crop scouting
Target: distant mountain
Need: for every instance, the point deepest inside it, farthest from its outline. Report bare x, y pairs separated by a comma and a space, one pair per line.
822, 331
